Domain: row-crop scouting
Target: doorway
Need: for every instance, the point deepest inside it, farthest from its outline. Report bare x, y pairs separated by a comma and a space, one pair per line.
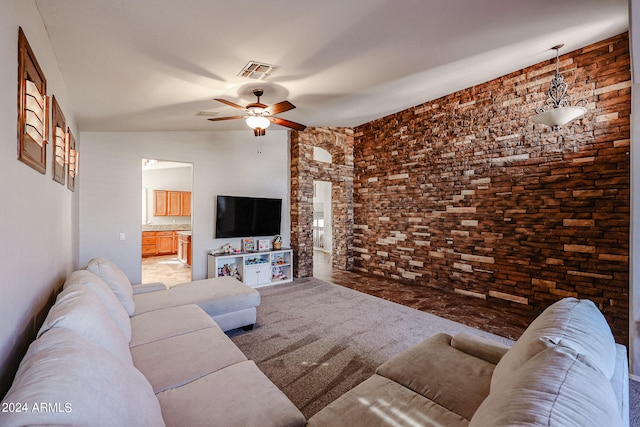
322, 225
167, 220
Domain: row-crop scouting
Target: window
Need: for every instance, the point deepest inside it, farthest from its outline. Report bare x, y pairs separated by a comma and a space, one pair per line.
33, 108
321, 155
72, 160
59, 142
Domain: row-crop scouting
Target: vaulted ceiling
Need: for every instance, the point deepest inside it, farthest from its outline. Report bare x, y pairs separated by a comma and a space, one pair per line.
149, 65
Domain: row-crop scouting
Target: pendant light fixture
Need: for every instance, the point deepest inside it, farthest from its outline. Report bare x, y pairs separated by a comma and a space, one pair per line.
557, 109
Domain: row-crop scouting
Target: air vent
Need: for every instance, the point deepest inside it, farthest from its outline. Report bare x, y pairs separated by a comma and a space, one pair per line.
258, 70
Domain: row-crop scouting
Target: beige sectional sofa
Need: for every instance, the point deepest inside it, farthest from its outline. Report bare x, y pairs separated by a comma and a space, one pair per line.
98, 360
565, 370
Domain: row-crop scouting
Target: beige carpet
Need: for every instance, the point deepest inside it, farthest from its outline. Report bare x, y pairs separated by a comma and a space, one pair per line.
316, 340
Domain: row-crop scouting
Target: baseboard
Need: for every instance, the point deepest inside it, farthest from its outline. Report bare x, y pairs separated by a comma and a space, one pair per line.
634, 377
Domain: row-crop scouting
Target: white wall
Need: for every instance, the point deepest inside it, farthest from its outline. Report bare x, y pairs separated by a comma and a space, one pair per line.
223, 163
38, 216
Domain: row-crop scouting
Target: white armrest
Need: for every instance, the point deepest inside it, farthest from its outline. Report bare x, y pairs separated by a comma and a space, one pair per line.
149, 287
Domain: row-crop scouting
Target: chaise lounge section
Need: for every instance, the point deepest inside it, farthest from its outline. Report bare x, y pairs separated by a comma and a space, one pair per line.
565, 370
100, 361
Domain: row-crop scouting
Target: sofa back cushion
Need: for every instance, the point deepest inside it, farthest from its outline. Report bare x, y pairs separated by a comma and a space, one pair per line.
573, 323
79, 384
79, 309
107, 297
556, 387
116, 279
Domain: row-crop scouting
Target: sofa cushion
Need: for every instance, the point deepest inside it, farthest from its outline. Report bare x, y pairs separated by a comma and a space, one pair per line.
434, 369
556, 387
570, 322
81, 385
106, 295
175, 361
215, 296
78, 308
380, 402
166, 323
238, 395
116, 279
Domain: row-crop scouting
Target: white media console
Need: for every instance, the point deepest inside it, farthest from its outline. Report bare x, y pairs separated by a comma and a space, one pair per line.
253, 268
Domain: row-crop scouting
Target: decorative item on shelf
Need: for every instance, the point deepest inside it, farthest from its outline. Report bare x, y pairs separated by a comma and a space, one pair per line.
557, 109
228, 249
279, 260
229, 270
263, 245
277, 274
247, 245
277, 242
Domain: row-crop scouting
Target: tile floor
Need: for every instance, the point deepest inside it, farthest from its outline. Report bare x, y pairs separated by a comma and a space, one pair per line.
491, 316
167, 269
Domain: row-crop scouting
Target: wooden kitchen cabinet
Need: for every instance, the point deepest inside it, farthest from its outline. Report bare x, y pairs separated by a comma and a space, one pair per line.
172, 203
185, 203
160, 208
149, 243
184, 248
164, 242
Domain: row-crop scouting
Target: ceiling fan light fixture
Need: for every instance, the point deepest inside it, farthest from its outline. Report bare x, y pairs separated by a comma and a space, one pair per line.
255, 122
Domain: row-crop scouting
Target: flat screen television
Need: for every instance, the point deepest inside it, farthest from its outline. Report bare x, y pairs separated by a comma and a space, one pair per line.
247, 216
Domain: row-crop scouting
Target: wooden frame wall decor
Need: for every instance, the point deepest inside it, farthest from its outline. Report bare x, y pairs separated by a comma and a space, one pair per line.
72, 161
33, 108
59, 129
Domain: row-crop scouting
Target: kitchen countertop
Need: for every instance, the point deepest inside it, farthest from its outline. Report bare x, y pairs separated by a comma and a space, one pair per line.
166, 227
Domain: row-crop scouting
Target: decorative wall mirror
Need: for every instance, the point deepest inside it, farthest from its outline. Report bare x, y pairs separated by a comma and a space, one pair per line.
33, 108
59, 126
72, 161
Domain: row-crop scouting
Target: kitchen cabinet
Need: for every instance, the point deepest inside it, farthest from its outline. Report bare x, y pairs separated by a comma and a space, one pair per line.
172, 203
159, 243
185, 203
149, 243
160, 208
164, 242
184, 247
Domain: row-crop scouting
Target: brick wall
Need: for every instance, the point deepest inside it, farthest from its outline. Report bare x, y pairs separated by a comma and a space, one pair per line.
465, 193
304, 170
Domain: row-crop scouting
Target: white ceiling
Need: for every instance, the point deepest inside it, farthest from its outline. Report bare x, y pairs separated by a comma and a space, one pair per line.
144, 65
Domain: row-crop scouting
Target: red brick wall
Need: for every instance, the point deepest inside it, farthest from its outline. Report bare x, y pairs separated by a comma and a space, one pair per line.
465, 193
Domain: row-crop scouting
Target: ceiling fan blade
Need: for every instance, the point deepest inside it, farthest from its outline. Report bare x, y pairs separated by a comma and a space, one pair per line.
229, 103
217, 119
281, 107
287, 123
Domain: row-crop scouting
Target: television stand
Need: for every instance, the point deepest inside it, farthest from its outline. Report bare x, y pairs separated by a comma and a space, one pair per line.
255, 269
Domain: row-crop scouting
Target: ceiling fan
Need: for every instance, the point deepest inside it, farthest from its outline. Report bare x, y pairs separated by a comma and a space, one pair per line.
259, 116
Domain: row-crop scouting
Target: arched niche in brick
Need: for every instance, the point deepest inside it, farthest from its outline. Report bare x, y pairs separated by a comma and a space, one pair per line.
304, 170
